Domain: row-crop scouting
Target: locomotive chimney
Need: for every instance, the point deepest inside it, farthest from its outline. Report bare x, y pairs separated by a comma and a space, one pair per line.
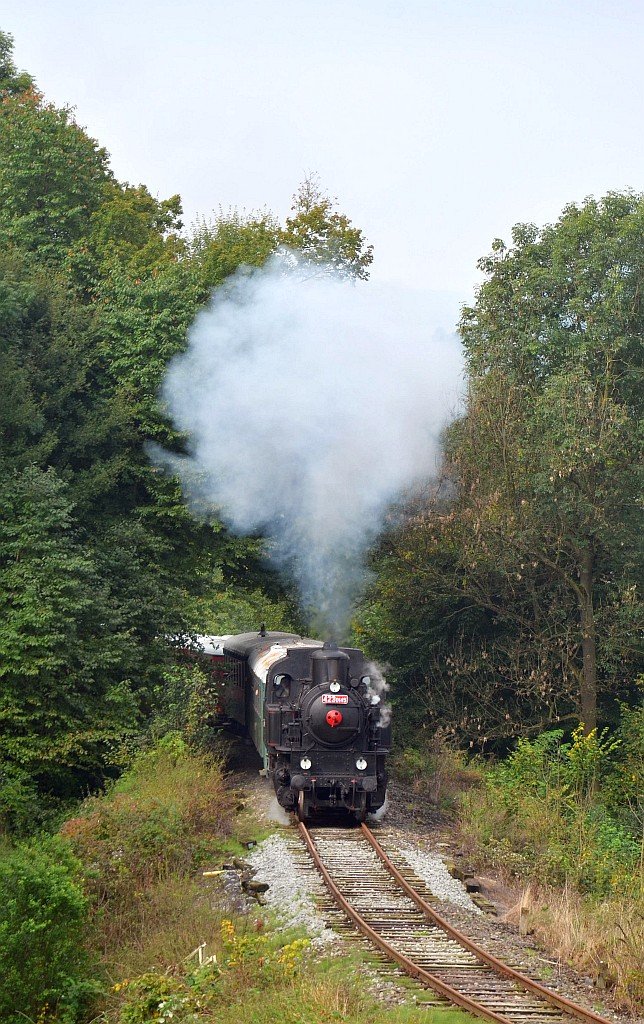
329, 663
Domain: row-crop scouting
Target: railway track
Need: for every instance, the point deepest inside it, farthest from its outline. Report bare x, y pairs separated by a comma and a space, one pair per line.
390, 908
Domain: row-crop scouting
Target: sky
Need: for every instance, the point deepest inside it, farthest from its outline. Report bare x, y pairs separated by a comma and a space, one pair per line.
436, 124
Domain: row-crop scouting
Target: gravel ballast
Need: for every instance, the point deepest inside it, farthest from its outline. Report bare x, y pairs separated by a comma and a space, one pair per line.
431, 868
292, 890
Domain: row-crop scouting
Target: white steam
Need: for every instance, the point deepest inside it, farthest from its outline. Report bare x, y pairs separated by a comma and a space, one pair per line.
310, 404
377, 689
380, 813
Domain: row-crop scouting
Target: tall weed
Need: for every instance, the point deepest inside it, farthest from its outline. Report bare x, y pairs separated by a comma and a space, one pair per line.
553, 813
167, 814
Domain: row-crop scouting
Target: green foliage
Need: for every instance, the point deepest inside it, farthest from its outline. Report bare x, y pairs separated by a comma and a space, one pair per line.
623, 788
544, 814
247, 959
51, 175
551, 446
231, 241
100, 558
131, 228
12, 81
20, 804
315, 231
238, 608
259, 976
59, 639
42, 914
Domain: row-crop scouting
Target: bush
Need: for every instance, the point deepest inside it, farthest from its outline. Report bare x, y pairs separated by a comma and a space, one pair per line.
186, 701
166, 815
435, 768
42, 913
543, 814
20, 805
248, 958
624, 787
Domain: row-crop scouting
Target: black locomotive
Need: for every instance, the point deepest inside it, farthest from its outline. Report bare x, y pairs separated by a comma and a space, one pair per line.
312, 713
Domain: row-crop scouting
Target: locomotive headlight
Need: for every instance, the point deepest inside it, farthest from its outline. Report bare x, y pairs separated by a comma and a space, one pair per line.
361, 764
305, 763
334, 686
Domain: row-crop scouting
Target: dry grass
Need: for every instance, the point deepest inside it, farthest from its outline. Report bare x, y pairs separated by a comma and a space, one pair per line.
168, 921
142, 847
603, 938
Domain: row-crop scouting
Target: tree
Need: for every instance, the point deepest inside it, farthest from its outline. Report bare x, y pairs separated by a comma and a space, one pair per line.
130, 229
52, 174
43, 915
324, 237
62, 695
12, 81
218, 248
100, 558
508, 598
551, 446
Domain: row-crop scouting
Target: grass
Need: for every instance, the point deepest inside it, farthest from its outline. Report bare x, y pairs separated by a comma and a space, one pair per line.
262, 978
143, 847
603, 938
548, 815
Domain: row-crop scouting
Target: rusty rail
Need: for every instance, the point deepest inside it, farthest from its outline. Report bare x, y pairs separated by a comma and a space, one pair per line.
497, 965
418, 972
407, 965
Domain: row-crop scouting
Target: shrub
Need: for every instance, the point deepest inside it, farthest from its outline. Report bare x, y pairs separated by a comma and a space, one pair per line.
435, 768
168, 813
20, 805
624, 787
42, 913
249, 958
543, 814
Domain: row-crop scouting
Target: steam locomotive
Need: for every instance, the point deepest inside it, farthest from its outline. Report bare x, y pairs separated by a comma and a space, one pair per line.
312, 713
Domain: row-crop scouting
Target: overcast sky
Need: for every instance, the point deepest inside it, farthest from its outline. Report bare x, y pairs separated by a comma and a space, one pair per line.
436, 124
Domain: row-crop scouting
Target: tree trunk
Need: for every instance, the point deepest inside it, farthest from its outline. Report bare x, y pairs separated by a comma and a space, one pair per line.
588, 695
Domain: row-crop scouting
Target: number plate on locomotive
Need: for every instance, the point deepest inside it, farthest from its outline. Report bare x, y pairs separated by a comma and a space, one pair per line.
335, 698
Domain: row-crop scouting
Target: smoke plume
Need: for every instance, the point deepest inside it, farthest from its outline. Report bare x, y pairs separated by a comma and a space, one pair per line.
310, 403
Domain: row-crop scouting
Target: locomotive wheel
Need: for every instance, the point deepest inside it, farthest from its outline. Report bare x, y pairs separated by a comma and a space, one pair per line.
302, 807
